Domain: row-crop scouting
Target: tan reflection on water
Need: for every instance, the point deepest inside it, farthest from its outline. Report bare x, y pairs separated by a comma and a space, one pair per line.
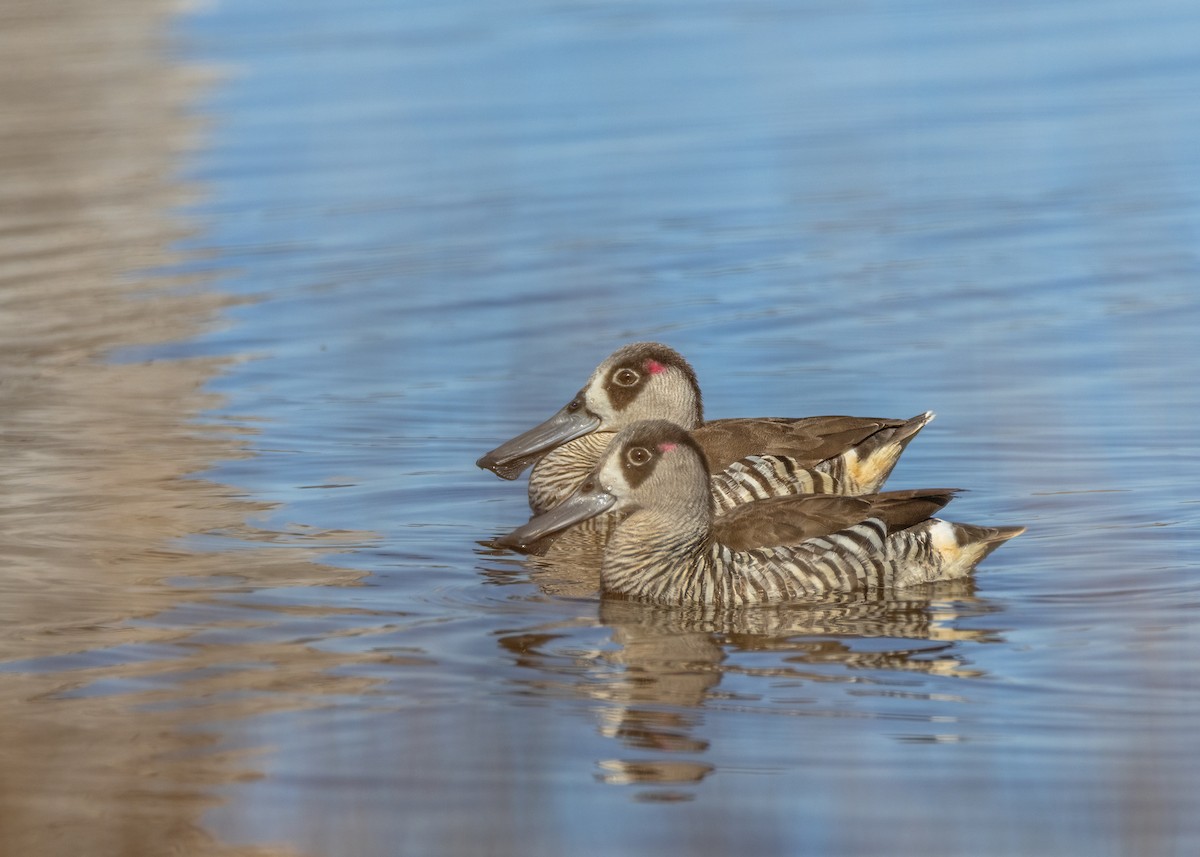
94, 455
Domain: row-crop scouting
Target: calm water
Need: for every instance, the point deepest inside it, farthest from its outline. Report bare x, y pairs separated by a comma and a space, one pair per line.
273, 274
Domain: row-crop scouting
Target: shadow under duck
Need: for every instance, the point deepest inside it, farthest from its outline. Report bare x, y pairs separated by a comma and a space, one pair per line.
748, 458
671, 547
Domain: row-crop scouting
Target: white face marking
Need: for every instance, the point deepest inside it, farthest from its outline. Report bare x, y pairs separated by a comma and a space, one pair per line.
596, 399
612, 478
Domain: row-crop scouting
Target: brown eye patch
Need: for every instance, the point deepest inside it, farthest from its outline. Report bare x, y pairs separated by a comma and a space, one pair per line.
626, 377
623, 387
638, 456
639, 464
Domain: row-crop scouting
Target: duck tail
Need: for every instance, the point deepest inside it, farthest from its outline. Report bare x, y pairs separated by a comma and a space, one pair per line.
906, 432
873, 461
964, 546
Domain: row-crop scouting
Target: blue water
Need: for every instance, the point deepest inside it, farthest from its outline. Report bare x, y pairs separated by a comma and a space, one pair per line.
435, 219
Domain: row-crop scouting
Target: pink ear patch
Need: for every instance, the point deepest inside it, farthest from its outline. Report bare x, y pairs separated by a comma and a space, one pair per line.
654, 367
667, 447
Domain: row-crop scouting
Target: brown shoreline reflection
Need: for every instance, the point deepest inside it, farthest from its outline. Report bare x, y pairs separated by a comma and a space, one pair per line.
666, 664
104, 714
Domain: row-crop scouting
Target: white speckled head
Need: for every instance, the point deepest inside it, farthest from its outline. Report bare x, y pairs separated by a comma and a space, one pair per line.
655, 464
644, 381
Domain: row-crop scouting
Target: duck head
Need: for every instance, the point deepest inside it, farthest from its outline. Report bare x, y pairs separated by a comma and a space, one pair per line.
652, 465
642, 381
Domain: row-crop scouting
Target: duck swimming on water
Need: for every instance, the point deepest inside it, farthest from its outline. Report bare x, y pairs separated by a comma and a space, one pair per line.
671, 547
748, 459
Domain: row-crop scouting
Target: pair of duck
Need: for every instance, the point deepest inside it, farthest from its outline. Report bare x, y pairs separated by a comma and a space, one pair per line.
733, 511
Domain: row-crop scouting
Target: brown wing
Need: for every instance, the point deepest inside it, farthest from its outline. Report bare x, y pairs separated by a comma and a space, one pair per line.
809, 440
791, 520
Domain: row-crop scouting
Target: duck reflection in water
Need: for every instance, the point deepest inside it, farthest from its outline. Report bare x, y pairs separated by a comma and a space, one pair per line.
858, 567
660, 667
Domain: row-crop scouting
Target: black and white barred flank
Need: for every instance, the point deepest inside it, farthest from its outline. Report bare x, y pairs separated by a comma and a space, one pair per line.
863, 559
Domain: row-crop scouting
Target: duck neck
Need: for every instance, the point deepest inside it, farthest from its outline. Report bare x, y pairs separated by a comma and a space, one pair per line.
651, 553
561, 470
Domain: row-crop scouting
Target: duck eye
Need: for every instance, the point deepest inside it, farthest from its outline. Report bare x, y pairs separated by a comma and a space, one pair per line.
626, 377
638, 456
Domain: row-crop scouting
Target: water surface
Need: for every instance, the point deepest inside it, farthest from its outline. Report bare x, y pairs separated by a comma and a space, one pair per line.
275, 274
